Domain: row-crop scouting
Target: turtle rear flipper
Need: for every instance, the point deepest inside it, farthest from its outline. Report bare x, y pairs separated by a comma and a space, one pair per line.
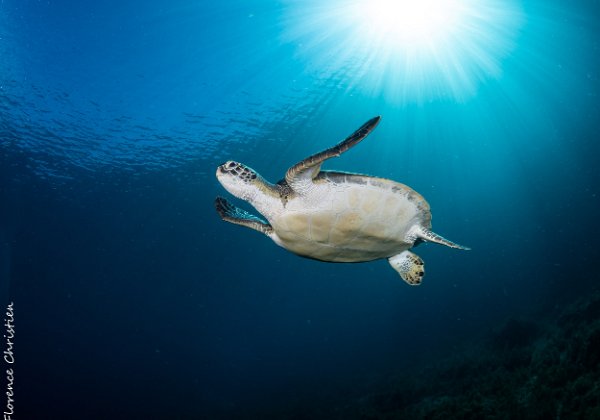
233, 214
429, 236
410, 267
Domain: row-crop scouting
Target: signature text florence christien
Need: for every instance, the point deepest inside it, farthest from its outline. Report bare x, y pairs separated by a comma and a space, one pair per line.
9, 358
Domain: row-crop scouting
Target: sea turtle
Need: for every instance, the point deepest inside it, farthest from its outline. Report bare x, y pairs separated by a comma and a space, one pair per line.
334, 216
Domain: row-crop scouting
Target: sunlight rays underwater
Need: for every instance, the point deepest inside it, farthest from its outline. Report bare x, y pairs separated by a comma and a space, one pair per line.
504, 81
286, 69
404, 50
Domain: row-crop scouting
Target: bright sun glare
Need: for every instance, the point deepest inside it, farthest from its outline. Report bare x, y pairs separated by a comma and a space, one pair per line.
410, 21
406, 50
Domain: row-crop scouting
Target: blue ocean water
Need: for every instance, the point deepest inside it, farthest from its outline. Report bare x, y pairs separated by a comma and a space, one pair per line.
134, 300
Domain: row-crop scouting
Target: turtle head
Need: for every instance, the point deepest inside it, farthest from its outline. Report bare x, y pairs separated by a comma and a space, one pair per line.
240, 180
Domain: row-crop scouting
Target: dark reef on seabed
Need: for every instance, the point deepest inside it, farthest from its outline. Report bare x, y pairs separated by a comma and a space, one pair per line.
544, 369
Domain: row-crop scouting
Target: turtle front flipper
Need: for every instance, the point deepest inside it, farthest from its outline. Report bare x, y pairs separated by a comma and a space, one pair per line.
410, 267
300, 176
233, 214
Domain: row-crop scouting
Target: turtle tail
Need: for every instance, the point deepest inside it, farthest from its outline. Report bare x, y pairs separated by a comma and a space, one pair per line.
430, 236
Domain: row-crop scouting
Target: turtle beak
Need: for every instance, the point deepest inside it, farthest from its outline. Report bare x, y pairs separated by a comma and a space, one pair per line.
229, 166
221, 171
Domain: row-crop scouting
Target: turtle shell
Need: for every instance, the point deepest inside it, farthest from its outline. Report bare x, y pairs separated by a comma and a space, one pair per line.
351, 218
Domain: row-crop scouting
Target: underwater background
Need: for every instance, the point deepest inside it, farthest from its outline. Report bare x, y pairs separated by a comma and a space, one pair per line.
133, 300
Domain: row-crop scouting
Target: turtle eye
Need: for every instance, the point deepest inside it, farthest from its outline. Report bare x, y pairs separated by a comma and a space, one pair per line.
230, 166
